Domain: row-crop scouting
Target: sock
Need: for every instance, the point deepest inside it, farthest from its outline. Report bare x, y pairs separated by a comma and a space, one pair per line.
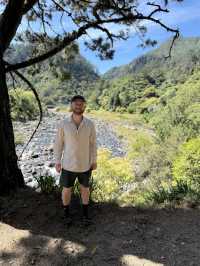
85, 210
66, 210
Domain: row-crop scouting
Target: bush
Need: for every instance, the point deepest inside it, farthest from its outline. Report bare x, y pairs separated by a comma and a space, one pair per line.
192, 123
168, 193
120, 109
148, 105
23, 105
131, 108
110, 177
180, 115
186, 167
150, 92
47, 184
185, 183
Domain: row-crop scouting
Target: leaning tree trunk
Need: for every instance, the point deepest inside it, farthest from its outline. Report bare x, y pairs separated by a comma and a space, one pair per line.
10, 175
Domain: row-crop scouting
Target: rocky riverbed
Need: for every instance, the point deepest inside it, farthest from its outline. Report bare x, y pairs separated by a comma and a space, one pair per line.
38, 159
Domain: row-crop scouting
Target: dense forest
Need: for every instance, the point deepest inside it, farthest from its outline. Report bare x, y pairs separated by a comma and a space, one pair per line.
140, 84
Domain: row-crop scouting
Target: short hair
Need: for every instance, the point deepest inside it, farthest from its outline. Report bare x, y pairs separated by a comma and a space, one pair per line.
75, 97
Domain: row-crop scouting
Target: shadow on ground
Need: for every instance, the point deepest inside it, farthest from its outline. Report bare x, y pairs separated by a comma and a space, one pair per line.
32, 232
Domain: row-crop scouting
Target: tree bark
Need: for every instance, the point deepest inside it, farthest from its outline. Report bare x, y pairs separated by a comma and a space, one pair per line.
10, 175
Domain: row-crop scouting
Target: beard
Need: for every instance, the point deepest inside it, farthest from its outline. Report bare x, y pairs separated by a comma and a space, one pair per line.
78, 112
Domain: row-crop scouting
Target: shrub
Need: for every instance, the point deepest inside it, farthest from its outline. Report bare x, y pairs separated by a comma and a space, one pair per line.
180, 115
150, 92
47, 184
185, 183
168, 193
148, 105
186, 167
131, 108
192, 123
110, 176
23, 105
120, 109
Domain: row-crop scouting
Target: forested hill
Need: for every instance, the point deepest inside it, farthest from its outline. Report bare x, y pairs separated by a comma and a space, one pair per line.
185, 56
57, 78
78, 66
148, 80
124, 88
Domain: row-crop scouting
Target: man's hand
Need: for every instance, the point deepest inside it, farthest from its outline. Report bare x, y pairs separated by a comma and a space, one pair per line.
58, 167
93, 166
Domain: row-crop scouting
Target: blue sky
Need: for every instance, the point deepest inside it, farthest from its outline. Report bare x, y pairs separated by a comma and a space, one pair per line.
184, 15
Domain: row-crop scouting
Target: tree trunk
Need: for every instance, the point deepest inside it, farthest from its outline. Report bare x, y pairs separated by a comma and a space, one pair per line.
10, 175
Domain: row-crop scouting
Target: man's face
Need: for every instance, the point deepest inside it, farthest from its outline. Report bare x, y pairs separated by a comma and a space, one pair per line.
78, 106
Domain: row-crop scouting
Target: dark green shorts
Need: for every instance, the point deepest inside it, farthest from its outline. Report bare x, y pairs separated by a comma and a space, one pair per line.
67, 178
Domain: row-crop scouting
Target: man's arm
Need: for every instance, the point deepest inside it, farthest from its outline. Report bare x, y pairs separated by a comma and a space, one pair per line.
58, 145
93, 147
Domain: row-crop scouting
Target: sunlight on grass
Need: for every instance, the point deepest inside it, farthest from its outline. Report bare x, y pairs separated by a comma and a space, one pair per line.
107, 115
137, 141
110, 176
115, 116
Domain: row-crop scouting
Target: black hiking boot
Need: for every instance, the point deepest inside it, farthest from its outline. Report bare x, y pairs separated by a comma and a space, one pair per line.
68, 220
86, 221
67, 216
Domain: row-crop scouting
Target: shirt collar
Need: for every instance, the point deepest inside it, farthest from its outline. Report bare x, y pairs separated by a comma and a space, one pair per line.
71, 119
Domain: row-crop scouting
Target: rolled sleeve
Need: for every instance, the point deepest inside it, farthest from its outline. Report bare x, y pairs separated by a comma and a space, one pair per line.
58, 143
93, 144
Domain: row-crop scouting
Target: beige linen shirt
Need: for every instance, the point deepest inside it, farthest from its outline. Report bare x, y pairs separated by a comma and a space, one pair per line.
75, 149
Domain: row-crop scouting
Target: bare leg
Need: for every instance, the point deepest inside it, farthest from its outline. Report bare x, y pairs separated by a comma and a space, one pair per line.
66, 195
66, 198
85, 192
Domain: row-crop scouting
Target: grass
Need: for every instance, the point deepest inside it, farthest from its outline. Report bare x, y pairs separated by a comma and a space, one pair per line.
136, 140
108, 115
116, 116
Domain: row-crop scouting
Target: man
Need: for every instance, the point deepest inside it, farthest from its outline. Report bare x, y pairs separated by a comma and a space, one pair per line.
76, 141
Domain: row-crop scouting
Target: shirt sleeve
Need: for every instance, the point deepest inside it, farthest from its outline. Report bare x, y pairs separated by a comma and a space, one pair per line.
93, 144
58, 143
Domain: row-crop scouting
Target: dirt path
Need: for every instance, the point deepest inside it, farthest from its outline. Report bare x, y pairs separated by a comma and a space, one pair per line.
32, 232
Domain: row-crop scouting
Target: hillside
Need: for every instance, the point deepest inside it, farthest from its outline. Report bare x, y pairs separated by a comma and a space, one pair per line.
135, 87
185, 57
75, 64
141, 85
57, 78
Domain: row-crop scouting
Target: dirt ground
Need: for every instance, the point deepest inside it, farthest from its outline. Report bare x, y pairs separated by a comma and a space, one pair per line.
32, 232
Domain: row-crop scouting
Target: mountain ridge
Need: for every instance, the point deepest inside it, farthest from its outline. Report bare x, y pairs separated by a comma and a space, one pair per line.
189, 47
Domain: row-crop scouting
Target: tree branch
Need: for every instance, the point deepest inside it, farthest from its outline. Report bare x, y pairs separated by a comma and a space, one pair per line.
176, 31
29, 4
158, 9
81, 31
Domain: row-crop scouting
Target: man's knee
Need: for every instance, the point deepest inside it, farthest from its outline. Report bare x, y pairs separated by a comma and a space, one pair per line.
84, 189
67, 190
